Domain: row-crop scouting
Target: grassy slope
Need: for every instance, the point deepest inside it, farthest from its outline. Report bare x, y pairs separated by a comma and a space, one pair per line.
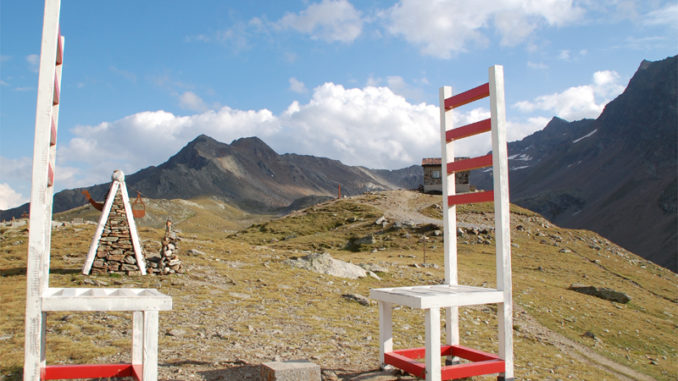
239, 302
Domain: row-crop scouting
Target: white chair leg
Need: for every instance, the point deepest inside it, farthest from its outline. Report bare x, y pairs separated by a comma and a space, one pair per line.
385, 330
137, 337
451, 330
150, 356
505, 320
433, 344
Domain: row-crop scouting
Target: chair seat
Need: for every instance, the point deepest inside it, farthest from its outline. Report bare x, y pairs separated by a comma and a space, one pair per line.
437, 296
105, 299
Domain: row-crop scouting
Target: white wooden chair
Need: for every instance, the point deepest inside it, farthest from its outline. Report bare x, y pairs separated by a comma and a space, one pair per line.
451, 295
40, 298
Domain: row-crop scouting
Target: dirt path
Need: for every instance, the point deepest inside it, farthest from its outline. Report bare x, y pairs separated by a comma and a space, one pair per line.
403, 205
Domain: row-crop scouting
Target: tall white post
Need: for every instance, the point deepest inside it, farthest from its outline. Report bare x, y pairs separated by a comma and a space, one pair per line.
502, 216
449, 216
44, 148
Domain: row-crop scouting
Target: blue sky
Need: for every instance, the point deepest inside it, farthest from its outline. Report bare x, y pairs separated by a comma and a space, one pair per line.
355, 81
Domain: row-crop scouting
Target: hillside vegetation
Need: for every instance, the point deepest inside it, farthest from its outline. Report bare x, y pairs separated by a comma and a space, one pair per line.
240, 304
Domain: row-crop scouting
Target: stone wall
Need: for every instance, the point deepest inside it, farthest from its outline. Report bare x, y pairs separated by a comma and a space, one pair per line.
115, 253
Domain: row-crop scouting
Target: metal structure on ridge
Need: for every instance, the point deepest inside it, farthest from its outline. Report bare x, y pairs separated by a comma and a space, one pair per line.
40, 298
451, 295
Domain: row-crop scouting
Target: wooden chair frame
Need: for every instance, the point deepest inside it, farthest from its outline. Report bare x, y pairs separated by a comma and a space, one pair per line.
451, 295
40, 298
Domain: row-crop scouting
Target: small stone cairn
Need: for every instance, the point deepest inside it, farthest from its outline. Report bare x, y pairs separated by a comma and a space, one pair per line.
168, 261
115, 253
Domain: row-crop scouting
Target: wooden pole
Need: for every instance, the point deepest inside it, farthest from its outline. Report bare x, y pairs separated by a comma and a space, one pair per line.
42, 190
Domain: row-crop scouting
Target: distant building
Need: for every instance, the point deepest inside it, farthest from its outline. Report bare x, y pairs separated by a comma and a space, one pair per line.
433, 182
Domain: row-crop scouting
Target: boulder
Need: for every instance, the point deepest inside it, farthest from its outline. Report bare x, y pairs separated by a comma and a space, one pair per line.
325, 264
356, 243
357, 298
601, 292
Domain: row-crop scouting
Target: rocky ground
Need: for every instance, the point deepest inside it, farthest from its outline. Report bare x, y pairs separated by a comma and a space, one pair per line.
243, 301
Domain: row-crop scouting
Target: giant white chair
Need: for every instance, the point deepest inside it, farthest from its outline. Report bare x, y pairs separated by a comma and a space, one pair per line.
40, 298
451, 295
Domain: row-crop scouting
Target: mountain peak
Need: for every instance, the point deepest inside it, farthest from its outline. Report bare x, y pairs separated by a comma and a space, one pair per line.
254, 146
250, 142
202, 139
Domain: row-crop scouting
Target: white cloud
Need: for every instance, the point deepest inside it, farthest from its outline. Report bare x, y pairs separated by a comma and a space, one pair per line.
329, 20
517, 130
578, 102
606, 85
666, 16
297, 86
151, 137
410, 90
16, 169
33, 61
16, 173
370, 126
237, 37
191, 101
10, 198
564, 55
568, 55
537, 65
446, 27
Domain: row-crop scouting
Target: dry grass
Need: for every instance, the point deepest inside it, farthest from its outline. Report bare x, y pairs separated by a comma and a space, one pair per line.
239, 301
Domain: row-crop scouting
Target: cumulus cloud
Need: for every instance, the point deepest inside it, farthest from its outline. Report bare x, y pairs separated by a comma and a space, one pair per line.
10, 198
17, 172
297, 86
191, 101
370, 126
666, 16
446, 27
578, 102
329, 20
413, 91
519, 129
151, 137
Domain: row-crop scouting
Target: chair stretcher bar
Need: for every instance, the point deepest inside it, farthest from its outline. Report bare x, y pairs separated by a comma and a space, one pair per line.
70, 372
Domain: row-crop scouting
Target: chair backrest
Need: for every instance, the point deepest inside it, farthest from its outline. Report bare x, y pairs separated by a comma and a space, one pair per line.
42, 184
498, 160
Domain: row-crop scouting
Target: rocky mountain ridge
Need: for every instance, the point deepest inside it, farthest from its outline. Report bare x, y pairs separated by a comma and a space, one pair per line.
615, 175
247, 174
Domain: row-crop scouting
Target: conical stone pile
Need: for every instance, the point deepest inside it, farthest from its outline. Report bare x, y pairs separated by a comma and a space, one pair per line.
168, 261
115, 253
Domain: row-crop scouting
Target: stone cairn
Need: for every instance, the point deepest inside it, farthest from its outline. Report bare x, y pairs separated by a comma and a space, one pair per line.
168, 261
115, 253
